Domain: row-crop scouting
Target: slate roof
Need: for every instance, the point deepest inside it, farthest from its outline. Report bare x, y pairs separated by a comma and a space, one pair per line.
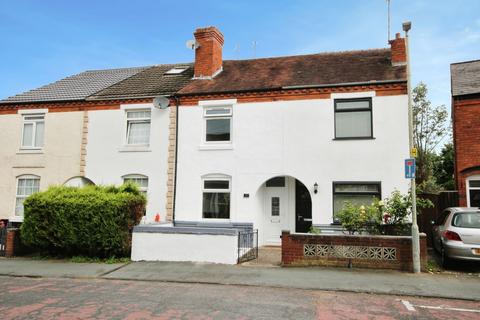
303, 70
465, 77
76, 87
148, 83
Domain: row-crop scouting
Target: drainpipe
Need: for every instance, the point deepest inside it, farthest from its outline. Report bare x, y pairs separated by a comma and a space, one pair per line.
177, 104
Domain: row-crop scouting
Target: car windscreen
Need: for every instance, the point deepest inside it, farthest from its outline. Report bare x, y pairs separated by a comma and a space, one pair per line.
466, 220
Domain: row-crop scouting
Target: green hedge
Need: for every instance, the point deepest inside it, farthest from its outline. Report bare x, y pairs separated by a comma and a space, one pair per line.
95, 221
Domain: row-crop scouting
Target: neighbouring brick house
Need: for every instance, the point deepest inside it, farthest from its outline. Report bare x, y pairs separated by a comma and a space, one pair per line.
466, 130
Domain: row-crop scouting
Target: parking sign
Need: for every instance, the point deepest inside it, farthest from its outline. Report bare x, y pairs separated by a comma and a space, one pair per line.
410, 168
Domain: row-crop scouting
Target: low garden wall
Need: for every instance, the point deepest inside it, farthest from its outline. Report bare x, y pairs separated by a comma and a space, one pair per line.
365, 251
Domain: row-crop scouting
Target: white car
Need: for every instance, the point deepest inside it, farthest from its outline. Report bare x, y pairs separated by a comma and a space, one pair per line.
456, 234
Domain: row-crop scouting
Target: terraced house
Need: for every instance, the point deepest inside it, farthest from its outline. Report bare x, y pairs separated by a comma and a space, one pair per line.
94, 127
268, 144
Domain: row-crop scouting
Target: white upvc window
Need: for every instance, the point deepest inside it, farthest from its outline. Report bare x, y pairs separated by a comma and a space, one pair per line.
216, 197
473, 191
33, 131
218, 124
138, 127
140, 180
26, 185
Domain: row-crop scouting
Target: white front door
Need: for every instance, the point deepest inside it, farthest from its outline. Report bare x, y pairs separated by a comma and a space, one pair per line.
276, 212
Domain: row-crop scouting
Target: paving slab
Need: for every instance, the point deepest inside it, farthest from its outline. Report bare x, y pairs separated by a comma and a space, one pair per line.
54, 268
354, 280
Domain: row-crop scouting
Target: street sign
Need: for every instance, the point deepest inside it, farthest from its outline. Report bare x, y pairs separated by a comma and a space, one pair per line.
410, 168
413, 152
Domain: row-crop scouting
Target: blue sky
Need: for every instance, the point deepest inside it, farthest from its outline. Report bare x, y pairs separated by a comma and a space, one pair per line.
43, 41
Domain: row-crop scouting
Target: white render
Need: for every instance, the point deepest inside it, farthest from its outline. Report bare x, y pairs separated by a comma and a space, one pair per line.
184, 247
294, 139
108, 159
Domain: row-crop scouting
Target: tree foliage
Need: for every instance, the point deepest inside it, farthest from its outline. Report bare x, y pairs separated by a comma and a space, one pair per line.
443, 168
430, 128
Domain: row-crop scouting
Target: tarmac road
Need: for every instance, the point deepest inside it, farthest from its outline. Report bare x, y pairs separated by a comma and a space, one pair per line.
54, 298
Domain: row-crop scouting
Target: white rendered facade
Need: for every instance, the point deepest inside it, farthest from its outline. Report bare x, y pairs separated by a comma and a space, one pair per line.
294, 139
112, 159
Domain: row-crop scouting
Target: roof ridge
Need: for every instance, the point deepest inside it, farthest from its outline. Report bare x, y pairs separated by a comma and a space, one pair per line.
316, 54
461, 62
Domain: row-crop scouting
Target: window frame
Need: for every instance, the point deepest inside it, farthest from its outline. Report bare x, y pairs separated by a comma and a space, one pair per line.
227, 116
137, 120
34, 130
335, 111
137, 176
469, 179
17, 196
335, 183
210, 190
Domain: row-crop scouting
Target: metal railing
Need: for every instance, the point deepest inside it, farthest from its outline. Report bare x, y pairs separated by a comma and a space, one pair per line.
247, 245
3, 241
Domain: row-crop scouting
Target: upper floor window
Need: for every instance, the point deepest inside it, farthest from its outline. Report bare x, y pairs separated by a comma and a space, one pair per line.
33, 131
216, 198
26, 185
140, 180
353, 118
138, 127
218, 124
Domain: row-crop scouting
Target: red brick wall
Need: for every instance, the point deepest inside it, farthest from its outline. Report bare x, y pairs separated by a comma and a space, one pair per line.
11, 241
466, 128
399, 52
208, 57
293, 250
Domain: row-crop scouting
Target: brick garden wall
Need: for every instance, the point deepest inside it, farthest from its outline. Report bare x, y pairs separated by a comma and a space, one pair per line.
378, 252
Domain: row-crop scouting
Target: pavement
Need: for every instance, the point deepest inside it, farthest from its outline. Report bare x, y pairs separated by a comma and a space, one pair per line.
313, 278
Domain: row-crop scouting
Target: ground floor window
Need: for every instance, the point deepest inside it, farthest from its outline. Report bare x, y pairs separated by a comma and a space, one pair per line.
359, 193
26, 185
140, 180
216, 199
474, 193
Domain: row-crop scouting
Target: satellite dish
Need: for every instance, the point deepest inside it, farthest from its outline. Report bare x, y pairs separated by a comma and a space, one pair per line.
192, 44
161, 102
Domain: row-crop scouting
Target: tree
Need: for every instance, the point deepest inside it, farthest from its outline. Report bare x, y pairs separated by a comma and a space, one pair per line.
430, 127
443, 168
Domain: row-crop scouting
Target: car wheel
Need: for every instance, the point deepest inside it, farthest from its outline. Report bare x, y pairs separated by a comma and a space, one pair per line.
445, 259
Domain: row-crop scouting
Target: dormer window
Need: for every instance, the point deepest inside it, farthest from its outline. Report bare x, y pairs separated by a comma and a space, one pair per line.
176, 70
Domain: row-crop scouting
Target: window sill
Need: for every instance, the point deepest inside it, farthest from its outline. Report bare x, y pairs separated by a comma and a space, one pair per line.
135, 149
30, 151
355, 138
16, 219
216, 147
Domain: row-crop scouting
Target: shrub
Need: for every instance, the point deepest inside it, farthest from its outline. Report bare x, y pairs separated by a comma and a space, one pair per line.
381, 217
94, 221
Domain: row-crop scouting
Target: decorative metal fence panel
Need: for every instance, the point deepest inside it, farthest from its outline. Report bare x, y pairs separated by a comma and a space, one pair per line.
247, 245
3, 241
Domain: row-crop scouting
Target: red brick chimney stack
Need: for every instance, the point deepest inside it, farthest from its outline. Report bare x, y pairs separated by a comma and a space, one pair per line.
208, 56
399, 51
